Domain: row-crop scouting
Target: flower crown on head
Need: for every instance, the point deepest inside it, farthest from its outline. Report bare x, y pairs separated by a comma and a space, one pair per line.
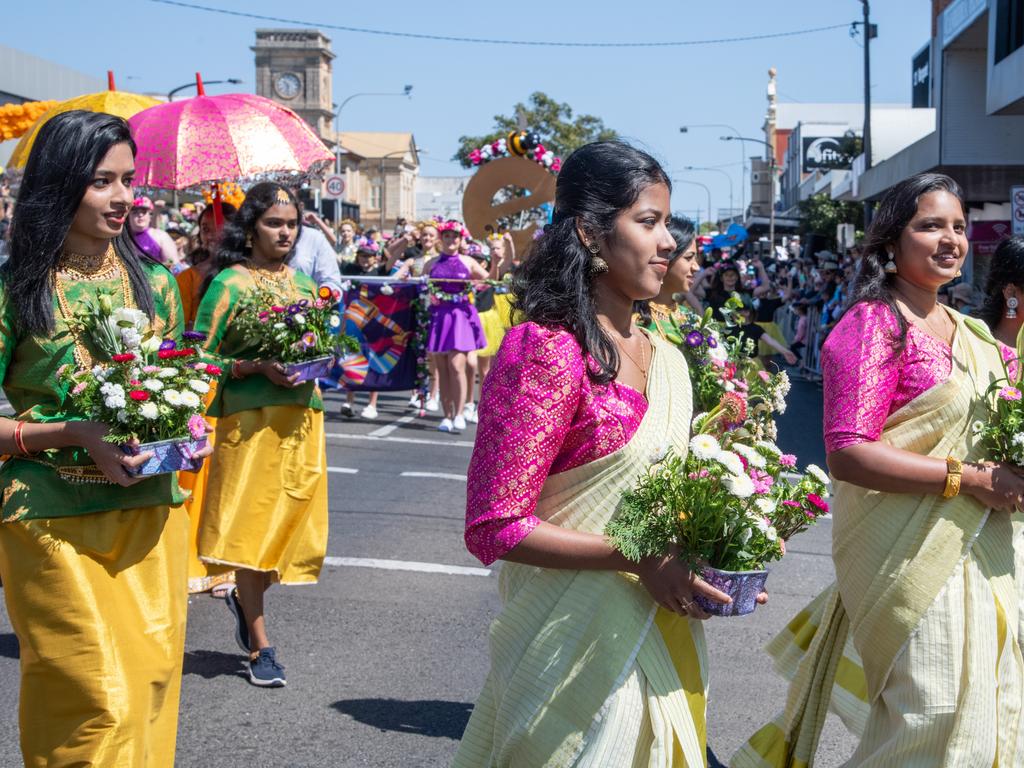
474, 249
367, 245
452, 225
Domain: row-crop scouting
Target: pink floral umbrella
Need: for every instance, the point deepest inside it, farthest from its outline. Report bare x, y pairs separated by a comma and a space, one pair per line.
190, 144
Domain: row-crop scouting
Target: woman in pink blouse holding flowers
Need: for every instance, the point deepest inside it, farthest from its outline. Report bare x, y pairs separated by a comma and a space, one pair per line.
595, 661
926, 536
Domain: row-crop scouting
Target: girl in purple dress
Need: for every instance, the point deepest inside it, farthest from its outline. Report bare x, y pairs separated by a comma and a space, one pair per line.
455, 329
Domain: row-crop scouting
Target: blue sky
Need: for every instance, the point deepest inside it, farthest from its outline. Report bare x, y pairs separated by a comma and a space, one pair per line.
645, 94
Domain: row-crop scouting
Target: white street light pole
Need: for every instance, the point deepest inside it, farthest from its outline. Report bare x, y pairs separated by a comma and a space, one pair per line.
716, 170
706, 189
743, 157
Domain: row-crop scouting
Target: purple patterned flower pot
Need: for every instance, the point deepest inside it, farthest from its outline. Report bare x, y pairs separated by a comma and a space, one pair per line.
318, 368
172, 455
742, 586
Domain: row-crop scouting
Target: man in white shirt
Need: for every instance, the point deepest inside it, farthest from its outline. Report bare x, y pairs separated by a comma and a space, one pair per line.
315, 257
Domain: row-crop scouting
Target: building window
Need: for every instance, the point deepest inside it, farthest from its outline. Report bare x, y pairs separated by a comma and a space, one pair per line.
375, 197
1009, 27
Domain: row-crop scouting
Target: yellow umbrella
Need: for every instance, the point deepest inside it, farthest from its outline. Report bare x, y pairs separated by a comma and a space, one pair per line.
120, 103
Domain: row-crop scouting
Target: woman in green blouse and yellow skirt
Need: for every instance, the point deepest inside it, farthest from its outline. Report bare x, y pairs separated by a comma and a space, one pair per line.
266, 506
92, 558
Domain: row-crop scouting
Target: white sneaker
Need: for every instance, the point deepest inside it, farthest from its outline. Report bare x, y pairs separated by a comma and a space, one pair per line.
459, 422
369, 412
469, 413
445, 426
414, 401
432, 404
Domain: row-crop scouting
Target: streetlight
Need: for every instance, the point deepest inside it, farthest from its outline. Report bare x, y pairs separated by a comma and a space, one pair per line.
706, 189
743, 154
406, 91
716, 170
771, 181
170, 93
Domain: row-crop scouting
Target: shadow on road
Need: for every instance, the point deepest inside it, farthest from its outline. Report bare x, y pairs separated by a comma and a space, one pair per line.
9, 645
209, 664
439, 719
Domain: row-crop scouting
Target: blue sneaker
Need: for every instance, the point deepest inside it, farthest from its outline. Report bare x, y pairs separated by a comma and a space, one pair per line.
241, 627
265, 671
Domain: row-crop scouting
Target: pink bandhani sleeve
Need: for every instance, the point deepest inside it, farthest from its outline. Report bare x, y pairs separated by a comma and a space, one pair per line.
529, 399
860, 374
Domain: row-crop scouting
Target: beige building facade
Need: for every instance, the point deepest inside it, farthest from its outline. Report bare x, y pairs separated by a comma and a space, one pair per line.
294, 68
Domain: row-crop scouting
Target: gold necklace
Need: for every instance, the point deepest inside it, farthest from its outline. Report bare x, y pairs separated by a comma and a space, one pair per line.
81, 266
72, 270
277, 281
642, 365
943, 333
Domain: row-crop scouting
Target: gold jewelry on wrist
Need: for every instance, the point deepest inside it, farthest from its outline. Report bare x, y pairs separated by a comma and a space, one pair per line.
954, 474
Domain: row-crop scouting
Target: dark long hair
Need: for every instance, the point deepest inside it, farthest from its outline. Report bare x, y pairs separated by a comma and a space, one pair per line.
64, 157
894, 213
554, 286
235, 247
201, 252
1006, 268
683, 231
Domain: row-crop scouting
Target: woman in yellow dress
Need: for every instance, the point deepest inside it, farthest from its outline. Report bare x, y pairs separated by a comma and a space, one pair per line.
497, 318
92, 558
266, 507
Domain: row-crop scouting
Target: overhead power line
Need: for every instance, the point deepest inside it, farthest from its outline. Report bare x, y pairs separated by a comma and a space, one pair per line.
495, 41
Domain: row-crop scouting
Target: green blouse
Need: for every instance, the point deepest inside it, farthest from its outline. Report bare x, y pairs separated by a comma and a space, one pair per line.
666, 323
227, 344
65, 482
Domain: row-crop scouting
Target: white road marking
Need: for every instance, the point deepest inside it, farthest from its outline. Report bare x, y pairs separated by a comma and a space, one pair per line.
412, 440
406, 565
343, 470
437, 475
387, 429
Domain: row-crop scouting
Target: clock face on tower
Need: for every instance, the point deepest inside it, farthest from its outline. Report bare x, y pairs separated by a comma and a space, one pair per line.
287, 85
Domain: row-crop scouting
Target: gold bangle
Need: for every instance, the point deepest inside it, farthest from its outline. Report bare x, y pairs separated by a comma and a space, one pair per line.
954, 474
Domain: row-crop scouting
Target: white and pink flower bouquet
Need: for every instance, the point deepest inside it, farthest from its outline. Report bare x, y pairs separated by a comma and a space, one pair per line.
733, 500
153, 399
1003, 433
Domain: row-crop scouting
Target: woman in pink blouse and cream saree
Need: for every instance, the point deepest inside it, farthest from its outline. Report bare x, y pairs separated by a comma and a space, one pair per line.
918, 645
595, 661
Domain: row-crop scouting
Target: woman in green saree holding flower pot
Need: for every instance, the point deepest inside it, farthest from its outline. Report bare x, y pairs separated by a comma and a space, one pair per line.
918, 645
92, 559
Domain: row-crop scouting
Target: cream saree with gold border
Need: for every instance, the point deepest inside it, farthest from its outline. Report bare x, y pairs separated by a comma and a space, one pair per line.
585, 669
917, 647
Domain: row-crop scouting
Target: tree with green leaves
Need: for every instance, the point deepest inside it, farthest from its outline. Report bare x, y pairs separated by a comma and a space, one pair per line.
560, 131
821, 215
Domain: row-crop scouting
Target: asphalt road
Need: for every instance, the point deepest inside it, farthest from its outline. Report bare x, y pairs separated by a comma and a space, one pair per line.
386, 655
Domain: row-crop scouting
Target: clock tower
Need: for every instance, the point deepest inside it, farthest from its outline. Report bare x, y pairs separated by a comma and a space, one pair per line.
293, 67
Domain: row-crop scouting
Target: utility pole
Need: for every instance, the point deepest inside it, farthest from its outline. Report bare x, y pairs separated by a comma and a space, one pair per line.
870, 31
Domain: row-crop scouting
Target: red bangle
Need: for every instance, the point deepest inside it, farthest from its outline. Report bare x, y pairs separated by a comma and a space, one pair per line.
19, 440
235, 372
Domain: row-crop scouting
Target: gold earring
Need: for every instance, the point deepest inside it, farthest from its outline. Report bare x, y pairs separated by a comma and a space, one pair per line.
598, 266
248, 241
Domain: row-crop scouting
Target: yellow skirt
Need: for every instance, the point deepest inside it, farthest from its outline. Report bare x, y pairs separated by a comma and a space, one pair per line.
201, 578
98, 604
773, 330
495, 322
266, 498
